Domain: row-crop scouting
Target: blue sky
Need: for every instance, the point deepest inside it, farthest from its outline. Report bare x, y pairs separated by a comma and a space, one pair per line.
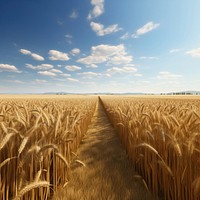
99, 46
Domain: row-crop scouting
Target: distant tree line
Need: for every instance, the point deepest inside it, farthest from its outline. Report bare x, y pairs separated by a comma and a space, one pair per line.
181, 93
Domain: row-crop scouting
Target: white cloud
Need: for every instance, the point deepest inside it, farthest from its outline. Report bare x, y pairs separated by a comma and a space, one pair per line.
65, 75
40, 81
74, 14
168, 76
57, 55
40, 67
89, 74
120, 59
69, 38
150, 26
194, 53
97, 10
56, 71
92, 66
72, 80
25, 52
122, 70
125, 36
107, 53
174, 50
47, 73
33, 55
107, 75
75, 51
101, 31
72, 68
37, 57
8, 68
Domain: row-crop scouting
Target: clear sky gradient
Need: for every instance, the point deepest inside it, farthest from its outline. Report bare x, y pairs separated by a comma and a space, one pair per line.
84, 46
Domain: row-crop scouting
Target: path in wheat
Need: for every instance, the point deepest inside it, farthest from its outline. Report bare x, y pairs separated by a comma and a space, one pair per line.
108, 174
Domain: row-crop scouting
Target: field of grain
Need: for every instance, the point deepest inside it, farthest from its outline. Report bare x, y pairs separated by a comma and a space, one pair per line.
162, 138
38, 137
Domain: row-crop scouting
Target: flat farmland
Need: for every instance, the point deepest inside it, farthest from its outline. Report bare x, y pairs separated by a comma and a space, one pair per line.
161, 137
99, 147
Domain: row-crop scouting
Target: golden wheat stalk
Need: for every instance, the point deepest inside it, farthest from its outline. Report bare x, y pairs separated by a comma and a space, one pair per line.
23, 145
37, 176
6, 139
31, 186
80, 162
164, 166
6, 161
4, 127
63, 159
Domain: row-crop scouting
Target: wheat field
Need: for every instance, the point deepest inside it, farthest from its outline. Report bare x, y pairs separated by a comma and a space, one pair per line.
162, 138
39, 137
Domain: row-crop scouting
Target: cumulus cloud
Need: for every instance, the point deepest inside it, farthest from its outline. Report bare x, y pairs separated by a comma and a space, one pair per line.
89, 74
57, 55
65, 75
168, 76
37, 57
125, 36
56, 71
92, 66
107, 75
97, 10
150, 26
33, 55
120, 59
194, 53
125, 69
74, 14
8, 68
72, 79
25, 52
101, 31
75, 51
47, 73
72, 68
40, 67
107, 53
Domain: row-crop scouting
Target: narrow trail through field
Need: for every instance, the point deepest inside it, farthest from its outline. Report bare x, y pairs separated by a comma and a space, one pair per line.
108, 174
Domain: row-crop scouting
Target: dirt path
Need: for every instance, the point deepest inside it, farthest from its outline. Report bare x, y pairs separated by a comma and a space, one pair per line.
108, 174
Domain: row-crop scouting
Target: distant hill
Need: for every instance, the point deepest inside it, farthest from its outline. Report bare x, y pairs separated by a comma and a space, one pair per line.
102, 93
192, 92
128, 93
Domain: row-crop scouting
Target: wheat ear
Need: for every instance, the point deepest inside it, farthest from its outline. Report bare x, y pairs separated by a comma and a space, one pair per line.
31, 186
